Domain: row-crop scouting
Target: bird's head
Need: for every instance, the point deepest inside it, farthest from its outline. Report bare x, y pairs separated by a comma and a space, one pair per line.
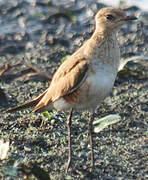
111, 19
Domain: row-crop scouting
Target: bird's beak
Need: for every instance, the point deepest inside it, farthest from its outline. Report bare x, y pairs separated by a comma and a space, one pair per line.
129, 18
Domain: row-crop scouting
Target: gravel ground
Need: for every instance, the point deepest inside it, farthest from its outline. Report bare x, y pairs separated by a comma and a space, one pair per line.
42, 34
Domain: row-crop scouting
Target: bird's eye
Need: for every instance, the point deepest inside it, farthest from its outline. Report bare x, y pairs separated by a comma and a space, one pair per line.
110, 17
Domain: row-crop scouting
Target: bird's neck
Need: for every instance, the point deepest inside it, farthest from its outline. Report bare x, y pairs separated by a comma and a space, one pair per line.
103, 47
104, 34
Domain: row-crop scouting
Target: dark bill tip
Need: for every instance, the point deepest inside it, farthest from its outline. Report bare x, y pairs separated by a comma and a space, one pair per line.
130, 18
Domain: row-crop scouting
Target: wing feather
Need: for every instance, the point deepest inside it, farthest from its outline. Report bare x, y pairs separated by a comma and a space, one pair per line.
69, 76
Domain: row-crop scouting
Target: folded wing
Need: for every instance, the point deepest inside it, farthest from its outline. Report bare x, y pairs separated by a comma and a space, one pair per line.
69, 76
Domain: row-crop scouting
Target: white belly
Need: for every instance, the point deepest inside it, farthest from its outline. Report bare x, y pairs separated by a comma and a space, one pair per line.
96, 88
101, 85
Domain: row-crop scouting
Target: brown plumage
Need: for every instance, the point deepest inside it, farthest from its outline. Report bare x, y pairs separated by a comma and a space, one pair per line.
88, 75
67, 79
32, 103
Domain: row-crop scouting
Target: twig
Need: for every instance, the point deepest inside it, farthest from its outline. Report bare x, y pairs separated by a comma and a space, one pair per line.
37, 70
7, 66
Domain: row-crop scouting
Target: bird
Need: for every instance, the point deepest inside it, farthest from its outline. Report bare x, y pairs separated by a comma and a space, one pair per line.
87, 77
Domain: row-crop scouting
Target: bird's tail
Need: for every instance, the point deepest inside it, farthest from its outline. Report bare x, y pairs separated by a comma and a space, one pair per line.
32, 103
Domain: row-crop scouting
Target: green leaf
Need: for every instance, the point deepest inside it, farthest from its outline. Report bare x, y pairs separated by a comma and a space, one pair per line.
46, 114
74, 18
63, 59
38, 15
105, 122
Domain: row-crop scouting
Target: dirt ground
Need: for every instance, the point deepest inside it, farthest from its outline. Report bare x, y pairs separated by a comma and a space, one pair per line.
34, 38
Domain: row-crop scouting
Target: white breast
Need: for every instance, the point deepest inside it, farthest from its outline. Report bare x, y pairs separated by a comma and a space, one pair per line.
103, 78
101, 83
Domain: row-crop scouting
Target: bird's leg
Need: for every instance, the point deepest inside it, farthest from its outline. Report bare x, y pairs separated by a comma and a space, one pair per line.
69, 139
91, 138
